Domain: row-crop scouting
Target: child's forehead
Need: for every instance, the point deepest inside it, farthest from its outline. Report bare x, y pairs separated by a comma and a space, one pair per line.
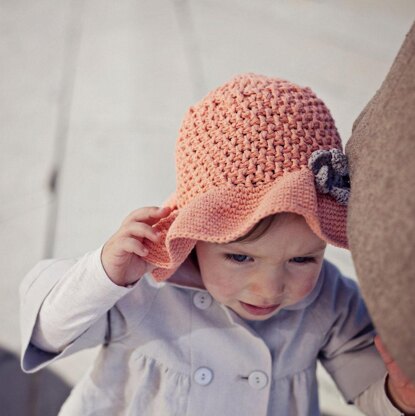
288, 227
306, 244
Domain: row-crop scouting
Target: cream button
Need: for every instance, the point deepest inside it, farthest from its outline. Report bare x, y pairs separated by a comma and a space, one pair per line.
257, 380
203, 376
202, 300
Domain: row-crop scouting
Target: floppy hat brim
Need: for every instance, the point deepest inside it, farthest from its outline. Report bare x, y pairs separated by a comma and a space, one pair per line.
226, 213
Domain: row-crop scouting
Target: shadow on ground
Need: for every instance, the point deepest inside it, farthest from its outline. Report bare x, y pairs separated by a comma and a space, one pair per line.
39, 394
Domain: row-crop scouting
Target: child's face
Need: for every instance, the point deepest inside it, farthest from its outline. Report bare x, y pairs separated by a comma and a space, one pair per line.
258, 278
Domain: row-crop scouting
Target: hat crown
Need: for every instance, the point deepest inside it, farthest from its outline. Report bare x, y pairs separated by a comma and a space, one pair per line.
249, 132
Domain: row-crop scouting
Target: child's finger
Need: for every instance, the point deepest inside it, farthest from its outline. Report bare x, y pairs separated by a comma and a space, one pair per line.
149, 215
141, 230
134, 246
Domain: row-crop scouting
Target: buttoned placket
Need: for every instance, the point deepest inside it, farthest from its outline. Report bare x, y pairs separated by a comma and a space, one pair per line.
218, 336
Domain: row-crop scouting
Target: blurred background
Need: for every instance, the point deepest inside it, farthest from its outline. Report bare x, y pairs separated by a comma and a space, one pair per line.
92, 94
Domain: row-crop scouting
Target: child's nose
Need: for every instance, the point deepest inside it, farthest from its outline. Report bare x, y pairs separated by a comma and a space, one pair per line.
270, 285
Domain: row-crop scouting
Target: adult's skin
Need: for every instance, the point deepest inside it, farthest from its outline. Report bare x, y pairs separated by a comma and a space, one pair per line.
381, 222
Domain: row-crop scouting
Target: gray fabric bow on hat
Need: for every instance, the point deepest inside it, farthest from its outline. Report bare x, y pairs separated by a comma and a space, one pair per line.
331, 173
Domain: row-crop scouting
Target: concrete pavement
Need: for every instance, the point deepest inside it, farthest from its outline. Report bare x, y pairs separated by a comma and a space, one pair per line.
92, 94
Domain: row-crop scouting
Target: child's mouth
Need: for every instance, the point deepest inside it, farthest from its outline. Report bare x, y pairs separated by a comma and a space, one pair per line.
258, 310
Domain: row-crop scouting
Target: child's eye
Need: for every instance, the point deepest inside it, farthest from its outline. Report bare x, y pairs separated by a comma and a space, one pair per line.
237, 258
302, 260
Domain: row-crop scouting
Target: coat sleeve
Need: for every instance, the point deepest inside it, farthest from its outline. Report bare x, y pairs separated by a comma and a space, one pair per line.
63, 305
348, 353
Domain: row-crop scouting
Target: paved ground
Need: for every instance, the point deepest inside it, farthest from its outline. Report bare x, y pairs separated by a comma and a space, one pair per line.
91, 97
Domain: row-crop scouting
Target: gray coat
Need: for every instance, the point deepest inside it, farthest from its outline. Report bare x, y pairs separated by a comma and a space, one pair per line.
175, 351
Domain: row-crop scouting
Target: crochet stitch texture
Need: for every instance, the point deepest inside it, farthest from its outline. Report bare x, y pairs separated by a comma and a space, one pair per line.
242, 154
249, 132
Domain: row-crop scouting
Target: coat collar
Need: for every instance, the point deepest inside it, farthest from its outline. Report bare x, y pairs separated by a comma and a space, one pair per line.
186, 276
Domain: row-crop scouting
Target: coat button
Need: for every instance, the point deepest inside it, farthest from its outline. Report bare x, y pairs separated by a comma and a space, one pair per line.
257, 380
203, 376
202, 300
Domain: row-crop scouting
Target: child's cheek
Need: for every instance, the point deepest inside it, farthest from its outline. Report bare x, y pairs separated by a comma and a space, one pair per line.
224, 288
305, 288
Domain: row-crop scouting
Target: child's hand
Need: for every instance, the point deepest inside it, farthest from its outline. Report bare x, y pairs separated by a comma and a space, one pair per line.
399, 388
122, 255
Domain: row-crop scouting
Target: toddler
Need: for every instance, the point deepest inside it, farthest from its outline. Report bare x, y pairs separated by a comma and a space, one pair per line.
221, 302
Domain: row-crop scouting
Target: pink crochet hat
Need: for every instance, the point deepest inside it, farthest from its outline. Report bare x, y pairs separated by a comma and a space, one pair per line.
253, 147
